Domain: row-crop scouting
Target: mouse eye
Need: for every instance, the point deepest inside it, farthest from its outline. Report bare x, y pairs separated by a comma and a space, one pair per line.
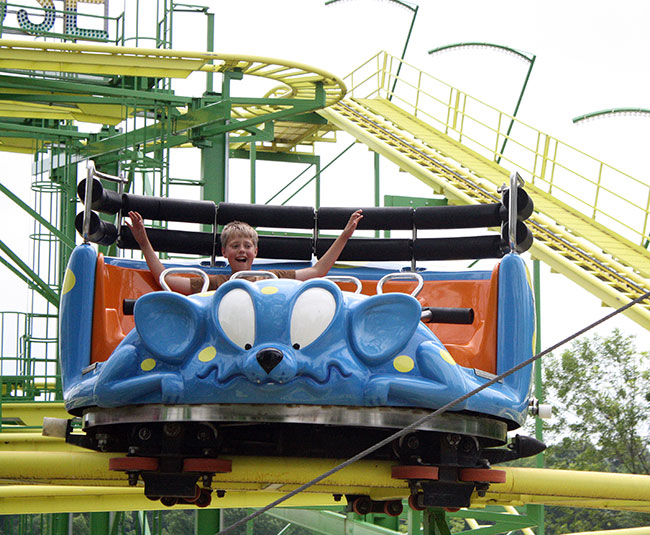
236, 315
312, 313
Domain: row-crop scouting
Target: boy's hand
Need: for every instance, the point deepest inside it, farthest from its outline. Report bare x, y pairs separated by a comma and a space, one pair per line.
137, 227
352, 223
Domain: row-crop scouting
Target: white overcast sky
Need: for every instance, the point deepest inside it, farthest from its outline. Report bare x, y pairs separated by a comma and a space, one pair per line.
591, 55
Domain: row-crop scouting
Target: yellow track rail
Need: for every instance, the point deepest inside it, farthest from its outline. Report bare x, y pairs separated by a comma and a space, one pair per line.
590, 253
42, 474
296, 80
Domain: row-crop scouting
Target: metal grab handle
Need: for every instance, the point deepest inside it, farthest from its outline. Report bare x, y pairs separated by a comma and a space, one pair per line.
253, 273
401, 276
203, 274
346, 278
515, 181
90, 176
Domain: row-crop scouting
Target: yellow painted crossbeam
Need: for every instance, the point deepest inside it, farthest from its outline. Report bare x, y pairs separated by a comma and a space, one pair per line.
46, 473
30, 415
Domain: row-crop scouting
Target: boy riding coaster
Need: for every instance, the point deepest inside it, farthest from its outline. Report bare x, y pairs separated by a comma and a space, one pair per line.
239, 247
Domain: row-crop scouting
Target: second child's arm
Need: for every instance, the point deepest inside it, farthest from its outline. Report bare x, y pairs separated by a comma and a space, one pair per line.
325, 262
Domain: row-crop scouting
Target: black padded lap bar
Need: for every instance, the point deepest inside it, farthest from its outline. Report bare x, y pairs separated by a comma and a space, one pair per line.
523, 236
171, 241
259, 215
288, 248
458, 316
100, 231
373, 218
449, 217
102, 199
525, 204
465, 248
369, 249
164, 209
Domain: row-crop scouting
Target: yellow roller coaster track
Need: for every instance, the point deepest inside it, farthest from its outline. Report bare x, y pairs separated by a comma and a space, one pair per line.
297, 80
44, 474
590, 252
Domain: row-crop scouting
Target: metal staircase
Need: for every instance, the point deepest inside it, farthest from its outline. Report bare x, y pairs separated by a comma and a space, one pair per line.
587, 248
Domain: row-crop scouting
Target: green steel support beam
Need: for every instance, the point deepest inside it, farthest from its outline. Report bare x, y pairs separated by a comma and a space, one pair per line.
60, 524
317, 185
434, 522
308, 118
414, 202
209, 83
414, 521
39, 284
287, 157
214, 170
328, 522
500, 521
384, 521
253, 186
299, 106
38, 98
67, 177
100, 523
32, 213
200, 123
117, 520
315, 177
267, 133
133, 95
15, 271
207, 521
10, 129
376, 169
537, 511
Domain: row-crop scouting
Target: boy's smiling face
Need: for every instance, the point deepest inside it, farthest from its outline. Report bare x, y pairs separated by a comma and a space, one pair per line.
240, 253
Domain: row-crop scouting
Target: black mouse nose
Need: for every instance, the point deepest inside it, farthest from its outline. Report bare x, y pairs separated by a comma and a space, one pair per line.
269, 358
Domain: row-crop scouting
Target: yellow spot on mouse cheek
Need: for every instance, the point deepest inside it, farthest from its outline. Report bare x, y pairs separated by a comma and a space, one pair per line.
447, 357
269, 290
148, 364
68, 282
403, 363
207, 354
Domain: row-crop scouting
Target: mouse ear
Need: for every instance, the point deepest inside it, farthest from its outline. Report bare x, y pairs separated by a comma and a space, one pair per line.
168, 323
382, 325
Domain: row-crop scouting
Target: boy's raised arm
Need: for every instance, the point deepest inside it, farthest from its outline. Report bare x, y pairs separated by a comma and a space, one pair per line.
325, 262
176, 283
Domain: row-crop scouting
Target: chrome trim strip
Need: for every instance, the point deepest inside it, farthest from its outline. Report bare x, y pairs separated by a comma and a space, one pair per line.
387, 417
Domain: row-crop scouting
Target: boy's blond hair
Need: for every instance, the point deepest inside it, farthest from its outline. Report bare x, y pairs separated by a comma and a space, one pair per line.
237, 229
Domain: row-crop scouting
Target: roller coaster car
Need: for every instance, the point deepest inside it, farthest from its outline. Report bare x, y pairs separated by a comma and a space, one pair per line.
278, 367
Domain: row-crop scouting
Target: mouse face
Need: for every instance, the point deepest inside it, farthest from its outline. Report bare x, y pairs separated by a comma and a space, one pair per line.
280, 341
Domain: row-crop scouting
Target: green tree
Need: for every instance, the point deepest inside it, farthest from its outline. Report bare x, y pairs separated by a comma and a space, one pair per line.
600, 388
80, 524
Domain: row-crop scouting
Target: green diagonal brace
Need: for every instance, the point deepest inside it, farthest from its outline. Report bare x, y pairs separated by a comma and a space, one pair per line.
503, 522
257, 134
327, 522
201, 117
15, 271
41, 286
64, 239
